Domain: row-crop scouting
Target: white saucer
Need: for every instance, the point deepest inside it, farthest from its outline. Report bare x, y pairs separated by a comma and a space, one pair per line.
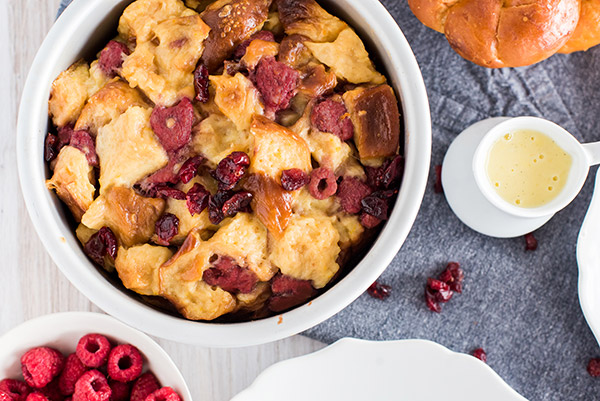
463, 194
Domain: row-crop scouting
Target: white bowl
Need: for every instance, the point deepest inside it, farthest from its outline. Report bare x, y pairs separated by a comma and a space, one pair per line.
63, 330
82, 29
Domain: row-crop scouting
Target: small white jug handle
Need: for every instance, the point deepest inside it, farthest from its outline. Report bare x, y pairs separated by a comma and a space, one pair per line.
592, 150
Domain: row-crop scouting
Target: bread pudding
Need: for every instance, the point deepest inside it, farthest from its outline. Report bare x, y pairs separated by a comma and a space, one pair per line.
231, 159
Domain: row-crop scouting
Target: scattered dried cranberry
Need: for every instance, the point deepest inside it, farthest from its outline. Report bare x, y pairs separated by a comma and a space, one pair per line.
453, 275
215, 206
379, 291
276, 82
231, 277
125, 363
84, 142
201, 83
197, 199
101, 244
351, 191
41, 365
375, 206
72, 371
166, 227
239, 202
92, 386
50, 147
164, 394
331, 116
173, 125
289, 292
231, 169
387, 176
111, 58
322, 183
294, 179
480, 354
369, 221
431, 300
438, 180
190, 168
164, 191
145, 385
531, 243
593, 367
240, 51
16, 389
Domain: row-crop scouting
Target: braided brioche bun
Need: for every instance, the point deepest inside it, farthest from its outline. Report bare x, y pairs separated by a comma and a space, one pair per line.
501, 33
587, 33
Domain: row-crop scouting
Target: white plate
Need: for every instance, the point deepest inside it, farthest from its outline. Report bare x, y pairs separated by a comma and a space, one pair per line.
588, 259
358, 370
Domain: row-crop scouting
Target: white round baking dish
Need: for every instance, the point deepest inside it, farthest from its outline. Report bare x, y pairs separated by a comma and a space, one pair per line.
82, 29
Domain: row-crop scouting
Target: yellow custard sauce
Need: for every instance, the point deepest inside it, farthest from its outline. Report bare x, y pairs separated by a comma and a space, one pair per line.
527, 168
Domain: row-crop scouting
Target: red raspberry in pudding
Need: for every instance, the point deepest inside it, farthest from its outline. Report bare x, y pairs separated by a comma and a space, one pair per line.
231, 277
331, 116
289, 292
93, 350
41, 365
276, 82
351, 191
111, 58
173, 125
125, 363
322, 183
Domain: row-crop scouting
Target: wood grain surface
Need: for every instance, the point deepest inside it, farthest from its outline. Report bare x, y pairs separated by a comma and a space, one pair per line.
31, 285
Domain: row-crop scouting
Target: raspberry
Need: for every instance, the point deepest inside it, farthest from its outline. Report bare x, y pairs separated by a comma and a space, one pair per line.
119, 391
322, 183
92, 386
164, 394
231, 277
144, 386
289, 292
41, 365
5, 396
379, 291
276, 82
331, 116
173, 125
16, 389
36, 397
52, 391
351, 191
72, 371
83, 141
125, 363
111, 58
93, 349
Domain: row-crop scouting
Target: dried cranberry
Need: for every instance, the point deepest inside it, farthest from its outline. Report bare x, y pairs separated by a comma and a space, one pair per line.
531, 243
480, 354
276, 82
231, 169
201, 83
164, 191
331, 116
438, 180
197, 199
173, 125
215, 206
111, 58
388, 175
50, 147
101, 244
375, 206
289, 292
240, 51
190, 168
294, 179
64, 136
237, 203
369, 221
83, 141
440, 290
431, 300
593, 367
379, 291
167, 227
322, 183
231, 277
453, 275
351, 191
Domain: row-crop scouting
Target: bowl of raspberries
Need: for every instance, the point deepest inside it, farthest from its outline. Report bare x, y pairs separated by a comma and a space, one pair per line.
81, 356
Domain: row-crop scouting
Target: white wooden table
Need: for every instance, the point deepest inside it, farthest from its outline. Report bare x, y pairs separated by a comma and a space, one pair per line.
31, 285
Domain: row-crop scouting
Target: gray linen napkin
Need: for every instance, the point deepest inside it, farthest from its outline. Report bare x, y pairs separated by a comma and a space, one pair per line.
521, 307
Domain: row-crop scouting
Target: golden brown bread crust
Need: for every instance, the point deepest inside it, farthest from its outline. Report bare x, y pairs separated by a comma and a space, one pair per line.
306, 17
587, 33
231, 22
501, 33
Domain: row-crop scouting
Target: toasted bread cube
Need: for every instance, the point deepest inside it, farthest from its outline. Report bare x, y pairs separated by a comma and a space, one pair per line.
84, 233
231, 22
138, 267
308, 250
256, 50
181, 43
277, 148
106, 105
347, 57
73, 180
237, 98
271, 203
329, 150
217, 136
376, 118
349, 228
130, 216
254, 300
306, 17
70, 90
128, 149
141, 17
